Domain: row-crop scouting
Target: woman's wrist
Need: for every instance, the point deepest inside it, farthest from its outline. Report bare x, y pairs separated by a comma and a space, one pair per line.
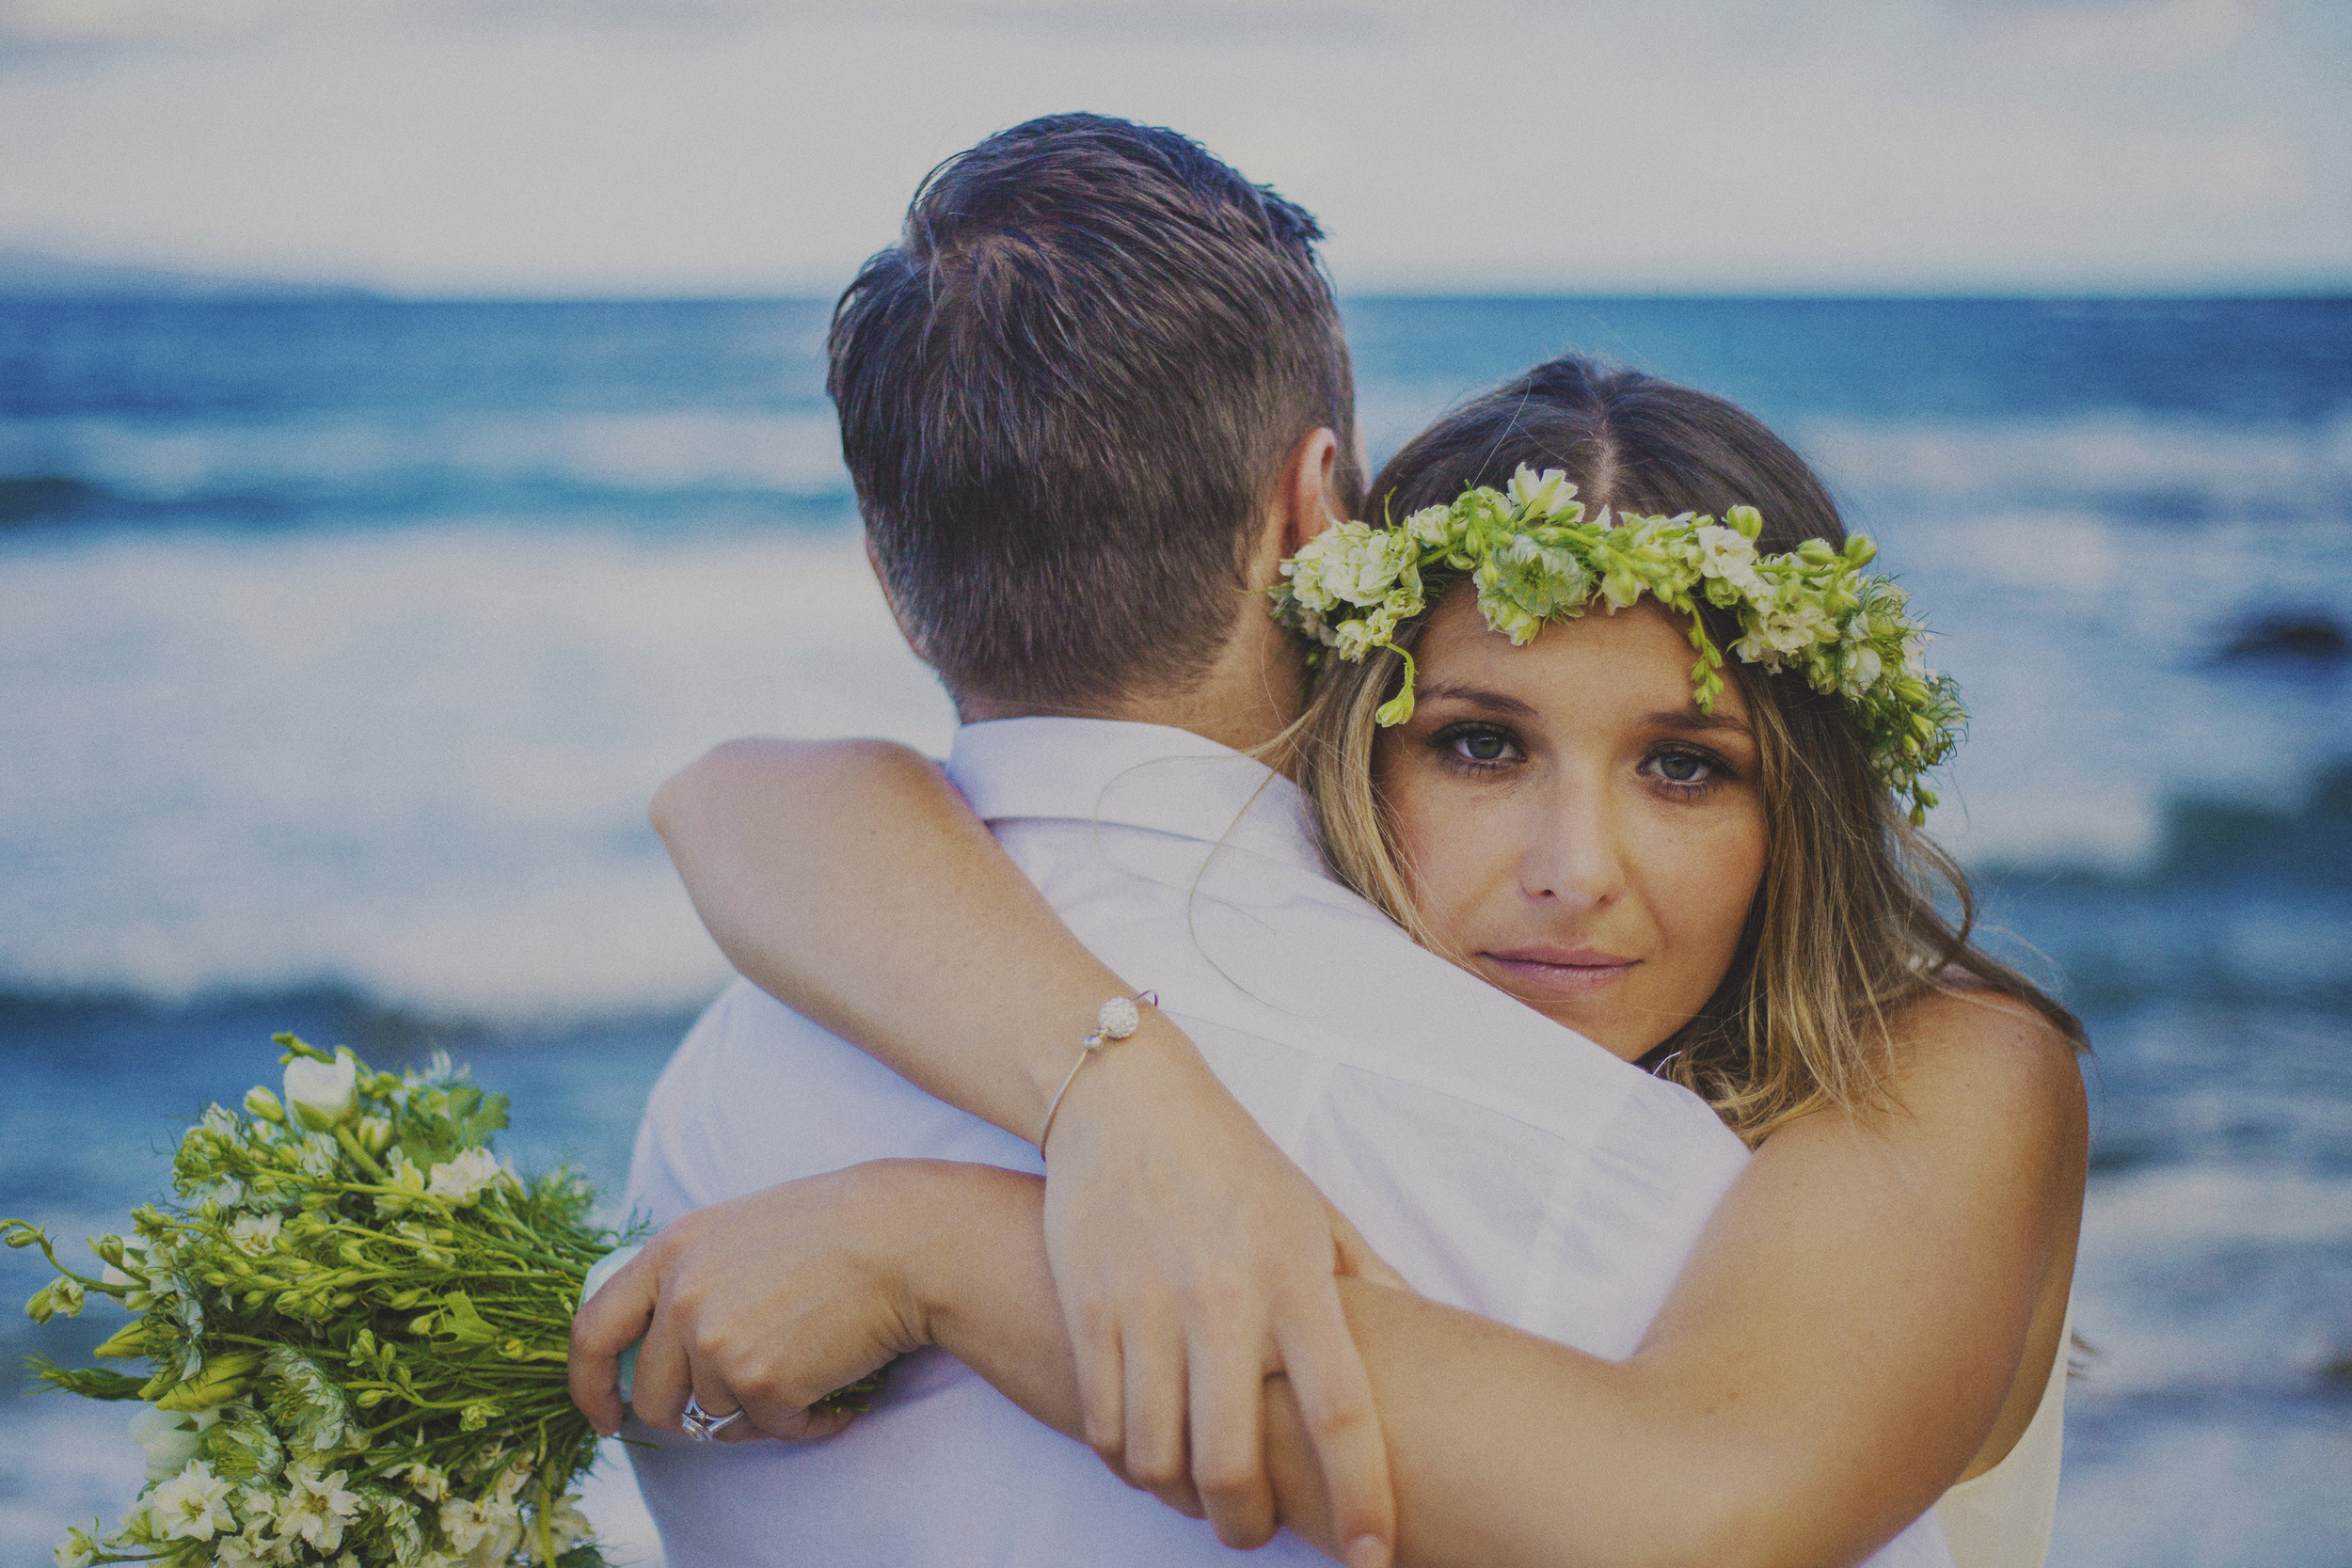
970, 1226
1113, 1089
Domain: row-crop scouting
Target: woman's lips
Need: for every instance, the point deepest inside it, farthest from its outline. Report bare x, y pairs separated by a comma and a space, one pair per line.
1559, 969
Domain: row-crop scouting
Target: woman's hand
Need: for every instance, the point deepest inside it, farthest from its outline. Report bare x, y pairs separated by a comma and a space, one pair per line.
770, 1302
1194, 1261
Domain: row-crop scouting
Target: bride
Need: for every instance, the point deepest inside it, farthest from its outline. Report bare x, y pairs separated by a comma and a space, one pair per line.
1647, 772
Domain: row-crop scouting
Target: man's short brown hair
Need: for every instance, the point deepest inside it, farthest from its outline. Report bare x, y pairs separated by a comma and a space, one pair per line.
1067, 395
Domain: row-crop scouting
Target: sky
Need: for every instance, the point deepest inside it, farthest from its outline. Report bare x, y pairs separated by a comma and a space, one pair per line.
712, 146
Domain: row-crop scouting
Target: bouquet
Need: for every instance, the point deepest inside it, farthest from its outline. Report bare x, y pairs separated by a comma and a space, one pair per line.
356, 1319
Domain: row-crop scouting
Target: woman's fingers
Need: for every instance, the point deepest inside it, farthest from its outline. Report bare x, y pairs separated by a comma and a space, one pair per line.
606, 1325
663, 1376
717, 1401
1154, 1355
802, 1426
1357, 1261
1102, 1381
1334, 1392
1228, 1392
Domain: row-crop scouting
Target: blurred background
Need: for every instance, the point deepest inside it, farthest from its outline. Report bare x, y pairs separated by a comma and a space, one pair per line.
413, 447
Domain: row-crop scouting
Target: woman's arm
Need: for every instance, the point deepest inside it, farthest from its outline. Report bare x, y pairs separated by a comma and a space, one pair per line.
1833, 1357
1192, 1256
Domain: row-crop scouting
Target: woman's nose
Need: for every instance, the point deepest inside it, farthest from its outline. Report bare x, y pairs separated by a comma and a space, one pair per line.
1575, 856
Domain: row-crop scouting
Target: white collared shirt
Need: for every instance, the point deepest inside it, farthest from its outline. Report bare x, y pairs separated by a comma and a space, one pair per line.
1500, 1161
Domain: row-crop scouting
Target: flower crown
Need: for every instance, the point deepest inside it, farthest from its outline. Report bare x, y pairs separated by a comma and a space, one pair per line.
1535, 559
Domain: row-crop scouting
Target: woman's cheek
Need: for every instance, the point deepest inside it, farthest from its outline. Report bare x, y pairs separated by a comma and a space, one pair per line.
1718, 876
1438, 840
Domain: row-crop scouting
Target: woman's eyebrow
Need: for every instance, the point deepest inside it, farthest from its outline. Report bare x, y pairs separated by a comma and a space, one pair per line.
1492, 702
1682, 718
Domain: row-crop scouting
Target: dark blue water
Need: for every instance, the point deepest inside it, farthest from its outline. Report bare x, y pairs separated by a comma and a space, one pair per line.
342, 640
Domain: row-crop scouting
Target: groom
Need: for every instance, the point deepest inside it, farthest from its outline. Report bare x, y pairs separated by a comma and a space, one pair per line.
1093, 397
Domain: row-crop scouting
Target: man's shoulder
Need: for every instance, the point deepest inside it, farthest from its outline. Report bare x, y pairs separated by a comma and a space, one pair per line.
757, 1094
1271, 950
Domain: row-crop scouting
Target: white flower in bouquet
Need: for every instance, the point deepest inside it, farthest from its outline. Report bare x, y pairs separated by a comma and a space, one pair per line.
322, 1094
169, 1438
316, 1505
356, 1319
255, 1234
192, 1505
464, 1177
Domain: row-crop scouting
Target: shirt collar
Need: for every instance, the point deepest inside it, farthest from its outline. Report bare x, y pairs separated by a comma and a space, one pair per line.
1148, 776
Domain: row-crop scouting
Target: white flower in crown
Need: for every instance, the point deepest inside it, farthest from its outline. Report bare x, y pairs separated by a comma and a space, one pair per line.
1799, 627
1349, 562
1544, 496
1510, 619
1526, 583
1353, 640
1431, 527
1730, 558
1860, 669
1307, 594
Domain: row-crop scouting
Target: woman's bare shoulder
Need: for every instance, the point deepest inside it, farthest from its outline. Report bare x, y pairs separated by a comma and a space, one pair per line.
1986, 1068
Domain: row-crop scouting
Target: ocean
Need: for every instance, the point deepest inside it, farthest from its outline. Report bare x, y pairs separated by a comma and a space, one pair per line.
342, 640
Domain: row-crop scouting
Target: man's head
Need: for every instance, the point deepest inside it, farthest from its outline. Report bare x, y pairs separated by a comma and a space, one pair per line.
1067, 397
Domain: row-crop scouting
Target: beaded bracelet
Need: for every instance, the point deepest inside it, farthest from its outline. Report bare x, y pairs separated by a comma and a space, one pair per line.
1118, 1017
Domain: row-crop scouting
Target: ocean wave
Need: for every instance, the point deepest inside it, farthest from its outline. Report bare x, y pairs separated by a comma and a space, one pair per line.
2157, 1246
414, 765
322, 473
2152, 469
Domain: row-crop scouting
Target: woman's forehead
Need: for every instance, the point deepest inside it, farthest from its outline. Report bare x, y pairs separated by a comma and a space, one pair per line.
1637, 657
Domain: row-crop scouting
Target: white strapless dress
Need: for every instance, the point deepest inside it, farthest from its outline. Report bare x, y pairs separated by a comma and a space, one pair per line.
2001, 1519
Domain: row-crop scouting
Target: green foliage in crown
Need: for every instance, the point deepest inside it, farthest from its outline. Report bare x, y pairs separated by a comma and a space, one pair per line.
1535, 558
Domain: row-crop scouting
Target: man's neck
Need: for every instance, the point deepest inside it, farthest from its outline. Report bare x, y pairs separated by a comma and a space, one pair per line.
1248, 698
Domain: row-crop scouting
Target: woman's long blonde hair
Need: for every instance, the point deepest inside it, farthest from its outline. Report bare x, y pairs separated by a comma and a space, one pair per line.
1844, 930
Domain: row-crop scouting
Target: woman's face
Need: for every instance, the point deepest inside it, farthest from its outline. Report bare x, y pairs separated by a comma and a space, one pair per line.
1571, 824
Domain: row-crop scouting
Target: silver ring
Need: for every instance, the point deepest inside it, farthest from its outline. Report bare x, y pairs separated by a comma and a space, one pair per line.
700, 1425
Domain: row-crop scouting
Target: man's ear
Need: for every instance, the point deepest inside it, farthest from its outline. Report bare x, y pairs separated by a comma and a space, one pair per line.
1309, 500
873, 562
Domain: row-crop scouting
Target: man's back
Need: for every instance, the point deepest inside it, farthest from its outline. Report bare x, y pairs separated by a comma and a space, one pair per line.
1500, 1163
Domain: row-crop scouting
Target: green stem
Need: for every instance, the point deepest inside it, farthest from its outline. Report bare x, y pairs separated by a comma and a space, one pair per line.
350, 1141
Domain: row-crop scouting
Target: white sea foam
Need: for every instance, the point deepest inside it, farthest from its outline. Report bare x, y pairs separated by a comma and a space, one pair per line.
413, 763
2206, 1491
2210, 1278
368, 454
2119, 454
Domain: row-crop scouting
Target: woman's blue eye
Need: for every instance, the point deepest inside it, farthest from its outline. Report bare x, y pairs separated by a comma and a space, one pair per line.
1482, 746
1682, 767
